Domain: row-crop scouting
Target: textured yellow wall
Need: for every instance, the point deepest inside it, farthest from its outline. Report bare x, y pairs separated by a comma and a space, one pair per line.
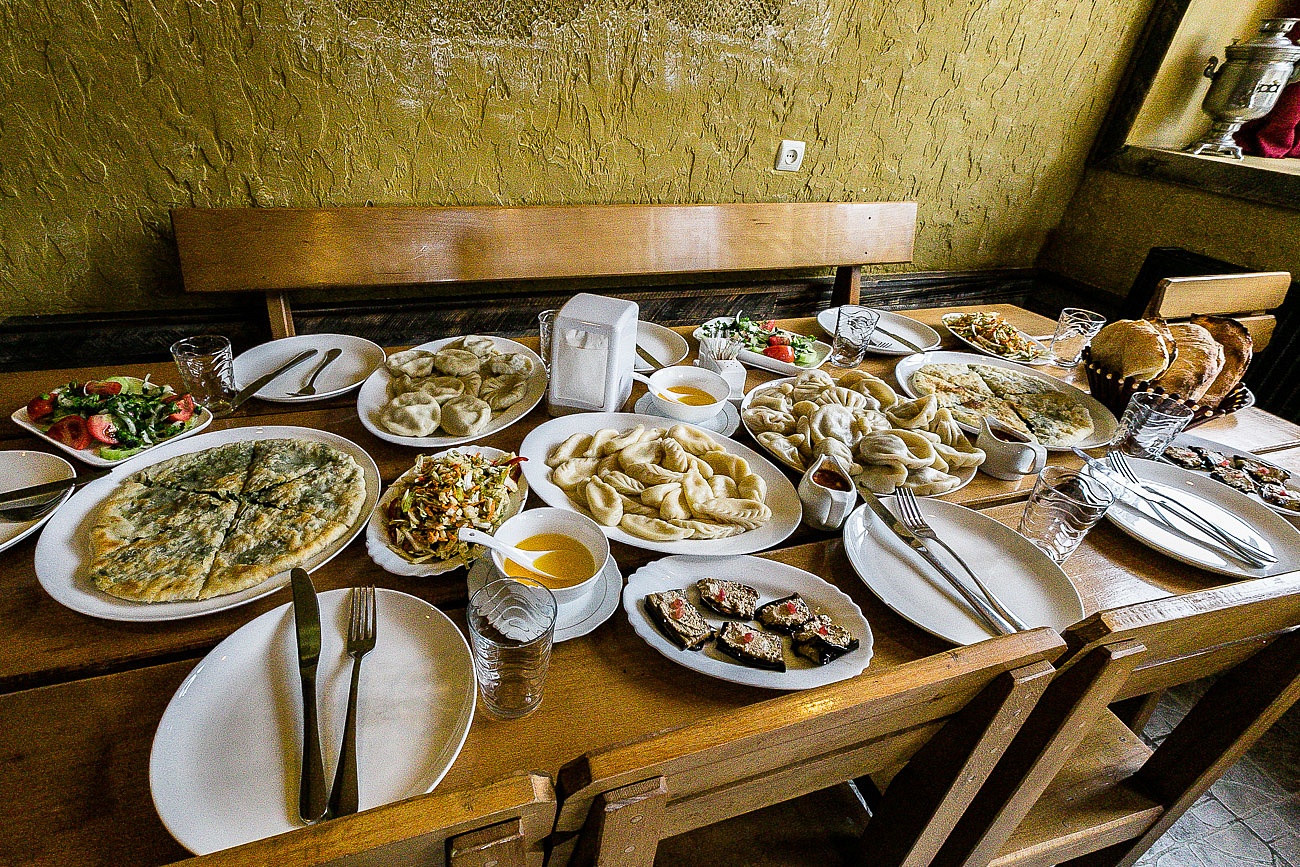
113, 111
1115, 219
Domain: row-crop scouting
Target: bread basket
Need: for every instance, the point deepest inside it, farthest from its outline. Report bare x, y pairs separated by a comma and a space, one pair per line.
1114, 391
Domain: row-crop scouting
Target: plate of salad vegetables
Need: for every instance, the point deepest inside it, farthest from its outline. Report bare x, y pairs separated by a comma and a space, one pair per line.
766, 346
104, 422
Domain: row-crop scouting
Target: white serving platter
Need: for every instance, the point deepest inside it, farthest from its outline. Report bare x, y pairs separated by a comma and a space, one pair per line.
1044, 356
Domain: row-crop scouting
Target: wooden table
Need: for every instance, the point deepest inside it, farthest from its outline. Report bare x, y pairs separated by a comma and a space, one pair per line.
80, 698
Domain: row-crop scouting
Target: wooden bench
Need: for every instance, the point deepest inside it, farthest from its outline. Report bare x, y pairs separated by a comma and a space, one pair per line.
276, 251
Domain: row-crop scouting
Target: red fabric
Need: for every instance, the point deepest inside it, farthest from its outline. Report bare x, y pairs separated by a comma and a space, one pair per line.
1277, 134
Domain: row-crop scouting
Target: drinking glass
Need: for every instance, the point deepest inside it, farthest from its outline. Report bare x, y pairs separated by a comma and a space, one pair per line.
545, 320
511, 626
1074, 331
853, 328
207, 368
1063, 507
1149, 424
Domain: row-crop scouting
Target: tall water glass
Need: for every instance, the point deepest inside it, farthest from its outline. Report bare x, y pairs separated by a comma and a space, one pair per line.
853, 329
207, 367
511, 626
1074, 331
1063, 507
545, 320
1150, 422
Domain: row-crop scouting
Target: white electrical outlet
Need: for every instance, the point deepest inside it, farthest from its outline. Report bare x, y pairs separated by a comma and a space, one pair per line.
789, 157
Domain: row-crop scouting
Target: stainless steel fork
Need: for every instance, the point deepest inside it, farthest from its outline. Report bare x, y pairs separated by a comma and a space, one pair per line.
361, 640
910, 514
1119, 463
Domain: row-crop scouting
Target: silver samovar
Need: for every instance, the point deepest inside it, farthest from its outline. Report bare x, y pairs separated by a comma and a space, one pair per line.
1248, 85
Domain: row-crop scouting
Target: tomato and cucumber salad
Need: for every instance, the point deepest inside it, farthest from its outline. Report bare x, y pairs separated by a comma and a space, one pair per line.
762, 335
117, 417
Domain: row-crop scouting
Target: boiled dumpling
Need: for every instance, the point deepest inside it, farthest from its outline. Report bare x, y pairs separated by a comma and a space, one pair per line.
473, 383
724, 486
783, 447
414, 414
574, 446
456, 362
633, 506
914, 414
696, 490
845, 397
675, 457
882, 478
510, 362
708, 529
752, 487
636, 435
652, 529
465, 416
573, 472
673, 507
481, 346
604, 503
727, 464
746, 513
928, 482
694, 440
443, 388
502, 392
831, 421
760, 419
655, 494
414, 363
623, 483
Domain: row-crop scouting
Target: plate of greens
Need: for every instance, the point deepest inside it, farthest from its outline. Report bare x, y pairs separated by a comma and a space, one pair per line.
766, 346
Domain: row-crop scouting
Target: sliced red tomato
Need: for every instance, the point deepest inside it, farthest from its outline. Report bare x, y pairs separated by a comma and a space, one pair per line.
778, 340
103, 386
39, 407
780, 353
182, 407
71, 430
101, 427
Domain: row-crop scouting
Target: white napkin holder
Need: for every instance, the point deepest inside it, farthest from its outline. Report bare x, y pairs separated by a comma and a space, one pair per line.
593, 351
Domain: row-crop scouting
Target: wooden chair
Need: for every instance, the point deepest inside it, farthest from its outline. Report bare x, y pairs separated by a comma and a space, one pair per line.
951, 714
275, 250
503, 823
1245, 297
1079, 788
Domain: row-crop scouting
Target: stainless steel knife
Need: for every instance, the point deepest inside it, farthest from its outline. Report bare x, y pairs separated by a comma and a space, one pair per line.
43, 491
898, 338
256, 385
313, 796
995, 621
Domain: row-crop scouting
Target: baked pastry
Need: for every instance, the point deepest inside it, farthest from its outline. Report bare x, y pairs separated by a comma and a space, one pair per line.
1137, 348
1238, 350
1196, 364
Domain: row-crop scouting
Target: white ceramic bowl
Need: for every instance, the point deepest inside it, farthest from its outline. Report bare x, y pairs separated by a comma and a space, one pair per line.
705, 380
567, 523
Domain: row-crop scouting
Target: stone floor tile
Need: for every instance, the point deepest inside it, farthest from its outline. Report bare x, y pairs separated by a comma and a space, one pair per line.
1237, 841
1246, 788
1288, 848
1210, 810
1276, 820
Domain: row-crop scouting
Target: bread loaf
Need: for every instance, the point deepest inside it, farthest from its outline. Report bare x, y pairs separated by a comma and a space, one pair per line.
1238, 349
1139, 348
1196, 364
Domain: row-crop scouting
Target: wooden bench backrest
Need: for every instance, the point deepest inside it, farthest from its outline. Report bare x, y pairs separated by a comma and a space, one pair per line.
734, 763
505, 823
1246, 297
275, 250
1244, 632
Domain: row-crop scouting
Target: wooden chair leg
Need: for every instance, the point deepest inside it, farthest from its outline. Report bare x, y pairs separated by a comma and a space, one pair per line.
1057, 724
848, 285
926, 798
622, 829
499, 845
1136, 712
280, 314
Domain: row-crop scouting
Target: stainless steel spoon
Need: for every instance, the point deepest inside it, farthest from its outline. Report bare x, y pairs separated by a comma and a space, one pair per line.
310, 388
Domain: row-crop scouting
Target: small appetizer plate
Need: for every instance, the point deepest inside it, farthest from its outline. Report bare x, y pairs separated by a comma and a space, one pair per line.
664, 345
20, 469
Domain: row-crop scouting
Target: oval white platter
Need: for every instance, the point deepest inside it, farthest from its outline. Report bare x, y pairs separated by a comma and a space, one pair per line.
1104, 423
881, 343
782, 498
373, 397
764, 362
358, 360
1044, 355
1186, 439
377, 537
664, 345
21, 469
965, 474
1225, 507
772, 580
1023, 577
63, 550
224, 765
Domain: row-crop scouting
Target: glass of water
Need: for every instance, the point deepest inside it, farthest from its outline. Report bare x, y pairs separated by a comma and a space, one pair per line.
511, 627
853, 329
1063, 507
207, 367
1074, 331
545, 320
1150, 422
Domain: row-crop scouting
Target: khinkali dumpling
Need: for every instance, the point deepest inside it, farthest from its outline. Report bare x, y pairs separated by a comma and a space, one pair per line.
481, 346
652, 529
783, 447
874, 387
772, 399
443, 388
456, 362
958, 458
604, 503
811, 383
928, 482
831, 421
510, 362
414, 414
415, 363
845, 397
465, 416
760, 419
914, 414
502, 392
401, 384
882, 478
803, 408
473, 383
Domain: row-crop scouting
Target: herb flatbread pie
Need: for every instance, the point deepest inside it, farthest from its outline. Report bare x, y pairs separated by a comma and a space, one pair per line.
1055, 419
223, 519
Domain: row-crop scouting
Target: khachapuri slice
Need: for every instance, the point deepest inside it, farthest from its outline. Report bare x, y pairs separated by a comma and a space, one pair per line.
220, 471
1053, 417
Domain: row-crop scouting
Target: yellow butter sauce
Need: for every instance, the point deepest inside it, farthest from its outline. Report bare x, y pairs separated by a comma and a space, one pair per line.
568, 559
690, 395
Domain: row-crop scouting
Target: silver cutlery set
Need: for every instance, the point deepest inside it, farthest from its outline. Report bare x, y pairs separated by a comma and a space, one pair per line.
315, 802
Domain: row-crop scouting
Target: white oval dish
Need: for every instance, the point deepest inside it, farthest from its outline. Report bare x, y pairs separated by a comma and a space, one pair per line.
358, 360
881, 343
